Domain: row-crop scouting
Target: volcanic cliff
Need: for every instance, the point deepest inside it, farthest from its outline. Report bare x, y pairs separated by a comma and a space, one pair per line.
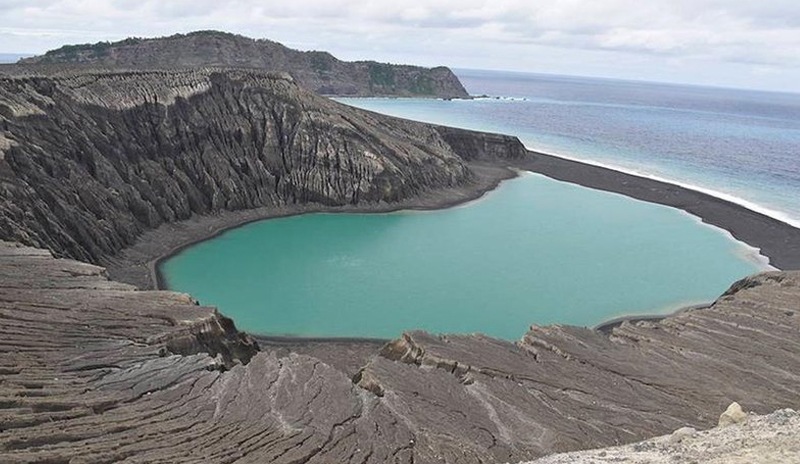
89, 160
315, 70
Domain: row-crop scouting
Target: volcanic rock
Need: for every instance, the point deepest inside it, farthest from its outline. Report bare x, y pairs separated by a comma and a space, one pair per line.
92, 370
768, 439
91, 160
732, 415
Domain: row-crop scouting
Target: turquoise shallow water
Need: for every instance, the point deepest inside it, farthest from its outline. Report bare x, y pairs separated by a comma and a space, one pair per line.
534, 251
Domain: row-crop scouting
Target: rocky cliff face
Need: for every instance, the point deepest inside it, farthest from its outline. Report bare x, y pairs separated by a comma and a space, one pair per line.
94, 371
90, 160
317, 71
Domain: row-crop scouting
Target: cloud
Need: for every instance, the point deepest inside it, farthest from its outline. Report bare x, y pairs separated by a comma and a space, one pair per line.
712, 31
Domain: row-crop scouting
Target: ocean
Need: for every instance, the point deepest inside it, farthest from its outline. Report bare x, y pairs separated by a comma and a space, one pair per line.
740, 145
535, 250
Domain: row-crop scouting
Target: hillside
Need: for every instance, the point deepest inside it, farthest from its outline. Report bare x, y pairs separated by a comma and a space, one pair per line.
90, 160
318, 71
92, 370
764, 439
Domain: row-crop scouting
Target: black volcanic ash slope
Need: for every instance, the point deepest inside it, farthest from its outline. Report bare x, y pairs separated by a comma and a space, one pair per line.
314, 70
89, 161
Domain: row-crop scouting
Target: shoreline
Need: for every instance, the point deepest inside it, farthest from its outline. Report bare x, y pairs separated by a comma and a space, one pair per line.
775, 240
487, 185
606, 326
730, 198
140, 263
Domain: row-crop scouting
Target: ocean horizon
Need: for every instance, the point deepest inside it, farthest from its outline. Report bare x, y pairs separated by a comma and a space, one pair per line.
462, 71
739, 145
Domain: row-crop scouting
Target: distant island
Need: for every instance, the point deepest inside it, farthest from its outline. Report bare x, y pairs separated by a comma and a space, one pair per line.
318, 71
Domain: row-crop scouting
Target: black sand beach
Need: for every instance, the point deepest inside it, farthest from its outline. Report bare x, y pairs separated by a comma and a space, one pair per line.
778, 241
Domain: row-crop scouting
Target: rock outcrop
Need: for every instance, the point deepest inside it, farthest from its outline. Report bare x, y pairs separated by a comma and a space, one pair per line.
566, 388
315, 70
94, 371
733, 415
89, 160
766, 439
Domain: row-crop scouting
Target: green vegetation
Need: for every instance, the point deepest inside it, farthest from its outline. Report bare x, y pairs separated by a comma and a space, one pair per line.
100, 49
96, 50
422, 85
320, 61
211, 33
318, 70
381, 74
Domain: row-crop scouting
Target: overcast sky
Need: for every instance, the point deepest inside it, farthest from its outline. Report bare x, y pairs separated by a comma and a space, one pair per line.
738, 43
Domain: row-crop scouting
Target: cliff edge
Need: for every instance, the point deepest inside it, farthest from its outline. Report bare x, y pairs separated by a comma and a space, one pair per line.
90, 160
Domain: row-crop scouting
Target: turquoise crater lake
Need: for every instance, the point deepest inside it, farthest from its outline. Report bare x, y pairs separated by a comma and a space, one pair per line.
534, 251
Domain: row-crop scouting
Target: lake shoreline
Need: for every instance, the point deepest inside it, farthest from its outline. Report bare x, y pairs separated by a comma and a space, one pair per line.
776, 240
139, 264
754, 229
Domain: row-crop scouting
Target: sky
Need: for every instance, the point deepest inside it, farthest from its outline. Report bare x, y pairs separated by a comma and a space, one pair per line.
730, 43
